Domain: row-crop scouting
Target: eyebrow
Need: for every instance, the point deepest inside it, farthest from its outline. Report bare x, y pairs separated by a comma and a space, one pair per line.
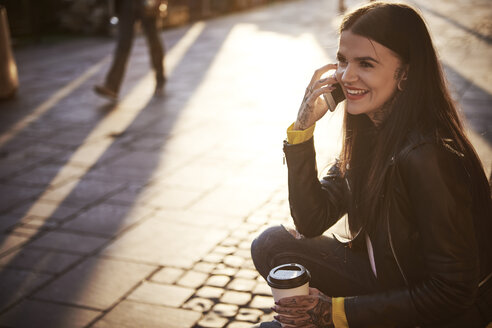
365, 58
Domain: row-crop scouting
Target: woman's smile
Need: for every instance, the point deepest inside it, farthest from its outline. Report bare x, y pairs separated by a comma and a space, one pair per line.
355, 94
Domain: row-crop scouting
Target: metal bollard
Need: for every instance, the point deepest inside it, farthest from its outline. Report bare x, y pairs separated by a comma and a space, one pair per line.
9, 81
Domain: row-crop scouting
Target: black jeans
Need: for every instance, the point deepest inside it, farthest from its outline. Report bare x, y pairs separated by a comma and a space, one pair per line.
336, 270
131, 12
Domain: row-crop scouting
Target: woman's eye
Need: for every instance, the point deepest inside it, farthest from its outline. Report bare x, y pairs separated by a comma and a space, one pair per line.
365, 64
341, 62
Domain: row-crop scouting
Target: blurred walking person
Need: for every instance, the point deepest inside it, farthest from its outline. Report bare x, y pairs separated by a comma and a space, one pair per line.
131, 11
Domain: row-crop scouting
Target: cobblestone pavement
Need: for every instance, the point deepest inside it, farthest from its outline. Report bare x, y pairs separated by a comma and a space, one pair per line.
141, 214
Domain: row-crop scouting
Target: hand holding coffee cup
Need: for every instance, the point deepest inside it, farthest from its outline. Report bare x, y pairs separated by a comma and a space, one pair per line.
313, 310
290, 279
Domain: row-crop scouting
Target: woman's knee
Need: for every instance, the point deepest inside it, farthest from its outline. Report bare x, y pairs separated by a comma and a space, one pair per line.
267, 240
264, 246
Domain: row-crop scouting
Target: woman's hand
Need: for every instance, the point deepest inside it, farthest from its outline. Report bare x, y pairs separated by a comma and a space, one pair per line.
313, 107
313, 310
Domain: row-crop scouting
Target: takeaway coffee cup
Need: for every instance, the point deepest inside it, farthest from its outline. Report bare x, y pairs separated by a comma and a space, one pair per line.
288, 280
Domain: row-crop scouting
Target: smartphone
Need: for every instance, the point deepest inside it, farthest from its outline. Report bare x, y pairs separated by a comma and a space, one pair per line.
333, 98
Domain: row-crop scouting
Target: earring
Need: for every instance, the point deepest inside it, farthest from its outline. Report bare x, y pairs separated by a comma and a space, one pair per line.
399, 86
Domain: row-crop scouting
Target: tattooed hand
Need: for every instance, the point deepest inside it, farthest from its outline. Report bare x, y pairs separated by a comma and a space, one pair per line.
313, 310
313, 107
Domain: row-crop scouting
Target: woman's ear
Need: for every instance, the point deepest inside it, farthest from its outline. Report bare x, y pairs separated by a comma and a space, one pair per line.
403, 75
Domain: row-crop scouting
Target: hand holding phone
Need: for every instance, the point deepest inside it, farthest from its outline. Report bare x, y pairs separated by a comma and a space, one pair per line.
333, 98
313, 106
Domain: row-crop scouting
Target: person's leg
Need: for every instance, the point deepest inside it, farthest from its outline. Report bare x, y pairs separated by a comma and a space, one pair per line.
335, 269
123, 46
149, 25
341, 6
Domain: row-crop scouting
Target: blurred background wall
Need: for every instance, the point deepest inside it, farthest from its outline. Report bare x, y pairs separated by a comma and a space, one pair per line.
36, 18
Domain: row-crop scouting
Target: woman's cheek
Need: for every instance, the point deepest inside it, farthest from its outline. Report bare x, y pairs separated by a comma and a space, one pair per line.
339, 73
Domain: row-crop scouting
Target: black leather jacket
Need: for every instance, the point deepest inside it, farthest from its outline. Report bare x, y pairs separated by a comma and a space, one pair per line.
425, 248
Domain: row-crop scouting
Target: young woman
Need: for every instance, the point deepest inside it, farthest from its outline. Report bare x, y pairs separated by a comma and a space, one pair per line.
416, 197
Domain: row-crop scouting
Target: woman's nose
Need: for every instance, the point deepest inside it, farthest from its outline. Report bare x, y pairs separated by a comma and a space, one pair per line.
349, 74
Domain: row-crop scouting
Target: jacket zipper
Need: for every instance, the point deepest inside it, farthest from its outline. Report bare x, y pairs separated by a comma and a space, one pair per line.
393, 250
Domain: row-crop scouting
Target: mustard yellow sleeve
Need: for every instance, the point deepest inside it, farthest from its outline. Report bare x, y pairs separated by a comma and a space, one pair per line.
338, 311
299, 136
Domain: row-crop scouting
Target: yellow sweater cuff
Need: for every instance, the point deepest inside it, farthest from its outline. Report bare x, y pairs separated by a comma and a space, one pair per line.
299, 136
338, 311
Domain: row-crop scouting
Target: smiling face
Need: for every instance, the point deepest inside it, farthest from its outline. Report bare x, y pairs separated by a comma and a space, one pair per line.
368, 72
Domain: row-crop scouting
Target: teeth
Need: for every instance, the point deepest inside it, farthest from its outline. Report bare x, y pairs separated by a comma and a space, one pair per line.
356, 92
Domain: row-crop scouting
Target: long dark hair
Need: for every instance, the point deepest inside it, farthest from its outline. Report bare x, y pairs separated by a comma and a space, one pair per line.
424, 105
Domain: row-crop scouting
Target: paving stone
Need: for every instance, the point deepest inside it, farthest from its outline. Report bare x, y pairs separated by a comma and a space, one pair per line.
248, 264
257, 219
85, 192
239, 202
248, 314
174, 198
47, 210
239, 324
247, 274
212, 320
31, 313
16, 284
240, 233
68, 241
209, 292
243, 253
130, 168
245, 245
262, 302
43, 176
224, 270
199, 304
213, 258
225, 250
233, 297
167, 275
38, 260
184, 244
28, 231
148, 142
14, 195
233, 261
230, 241
196, 175
267, 317
218, 281
193, 279
107, 219
249, 227
11, 166
242, 285
129, 314
7, 221
36, 222
199, 219
131, 195
167, 295
9, 242
225, 310
262, 288
204, 267
96, 283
